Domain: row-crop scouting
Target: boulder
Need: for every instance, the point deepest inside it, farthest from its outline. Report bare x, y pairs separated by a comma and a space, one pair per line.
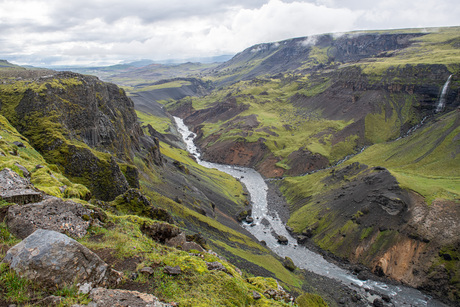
188, 246
160, 231
147, 270
216, 266
282, 239
176, 241
115, 297
289, 264
172, 270
53, 259
15, 189
52, 214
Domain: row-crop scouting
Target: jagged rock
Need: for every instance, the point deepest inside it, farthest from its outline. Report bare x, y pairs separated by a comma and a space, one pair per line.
116, 297
15, 189
188, 246
282, 239
216, 266
51, 214
378, 303
160, 231
289, 264
172, 270
53, 259
147, 270
256, 295
176, 241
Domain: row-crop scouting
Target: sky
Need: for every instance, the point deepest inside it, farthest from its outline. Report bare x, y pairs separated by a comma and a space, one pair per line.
104, 32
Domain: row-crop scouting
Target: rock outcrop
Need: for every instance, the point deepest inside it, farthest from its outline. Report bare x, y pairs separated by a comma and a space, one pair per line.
16, 189
51, 214
102, 297
53, 259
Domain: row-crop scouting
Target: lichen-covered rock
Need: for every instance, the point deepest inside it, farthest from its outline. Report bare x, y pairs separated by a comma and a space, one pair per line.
16, 189
115, 297
160, 231
52, 214
53, 259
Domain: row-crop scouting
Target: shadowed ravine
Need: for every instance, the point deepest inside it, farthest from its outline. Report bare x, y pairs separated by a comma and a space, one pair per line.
267, 223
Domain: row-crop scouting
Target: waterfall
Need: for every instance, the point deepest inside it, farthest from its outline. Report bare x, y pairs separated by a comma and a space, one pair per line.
442, 97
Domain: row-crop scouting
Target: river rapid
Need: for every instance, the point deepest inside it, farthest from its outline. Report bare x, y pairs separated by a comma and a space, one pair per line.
267, 224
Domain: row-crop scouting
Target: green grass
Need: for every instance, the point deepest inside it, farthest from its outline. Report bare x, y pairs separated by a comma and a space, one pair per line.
436, 47
426, 162
160, 124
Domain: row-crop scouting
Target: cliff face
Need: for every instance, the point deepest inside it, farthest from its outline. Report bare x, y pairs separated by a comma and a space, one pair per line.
90, 111
293, 54
85, 126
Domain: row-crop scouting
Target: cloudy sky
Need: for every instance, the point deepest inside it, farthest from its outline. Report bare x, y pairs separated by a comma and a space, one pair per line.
102, 32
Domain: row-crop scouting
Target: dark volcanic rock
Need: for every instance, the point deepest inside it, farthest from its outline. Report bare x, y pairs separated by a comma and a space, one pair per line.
160, 231
51, 214
282, 239
51, 258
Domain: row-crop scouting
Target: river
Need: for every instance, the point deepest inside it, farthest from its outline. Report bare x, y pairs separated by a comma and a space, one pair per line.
267, 223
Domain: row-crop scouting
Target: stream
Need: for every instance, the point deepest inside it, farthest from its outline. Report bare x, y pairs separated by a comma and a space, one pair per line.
266, 224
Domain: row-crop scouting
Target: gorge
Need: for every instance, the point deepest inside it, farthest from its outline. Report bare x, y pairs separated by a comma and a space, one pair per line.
267, 225
328, 174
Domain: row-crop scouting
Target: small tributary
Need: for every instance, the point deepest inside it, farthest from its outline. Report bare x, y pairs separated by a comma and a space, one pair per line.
267, 224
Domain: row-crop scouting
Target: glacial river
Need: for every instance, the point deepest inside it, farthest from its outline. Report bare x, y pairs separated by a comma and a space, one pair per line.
266, 223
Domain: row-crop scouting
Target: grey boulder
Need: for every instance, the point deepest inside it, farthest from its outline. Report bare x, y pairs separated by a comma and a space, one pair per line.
53, 259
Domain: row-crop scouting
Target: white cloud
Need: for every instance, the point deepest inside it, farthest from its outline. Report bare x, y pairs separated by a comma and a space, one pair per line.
110, 31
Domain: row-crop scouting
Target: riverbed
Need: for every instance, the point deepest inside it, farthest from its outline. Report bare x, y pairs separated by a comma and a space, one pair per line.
267, 225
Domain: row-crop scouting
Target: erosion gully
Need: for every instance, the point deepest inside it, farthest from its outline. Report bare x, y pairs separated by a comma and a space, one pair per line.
267, 224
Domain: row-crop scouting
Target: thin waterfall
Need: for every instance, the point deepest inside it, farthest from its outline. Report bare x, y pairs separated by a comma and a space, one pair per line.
442, 97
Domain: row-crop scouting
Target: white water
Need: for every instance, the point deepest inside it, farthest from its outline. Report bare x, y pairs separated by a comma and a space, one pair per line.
442, 97
268, 222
